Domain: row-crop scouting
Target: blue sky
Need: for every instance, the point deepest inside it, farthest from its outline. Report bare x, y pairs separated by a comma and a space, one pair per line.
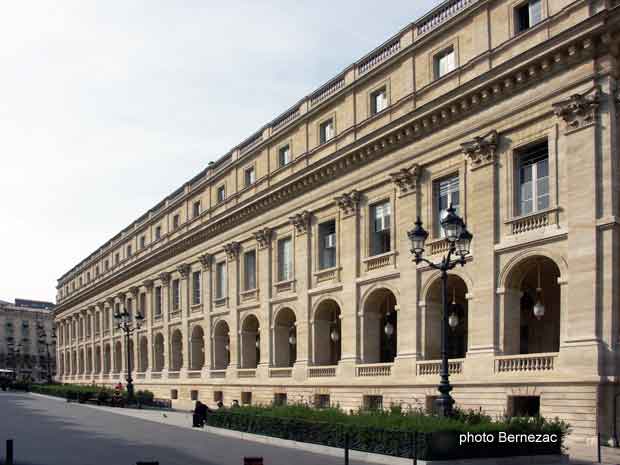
107, 106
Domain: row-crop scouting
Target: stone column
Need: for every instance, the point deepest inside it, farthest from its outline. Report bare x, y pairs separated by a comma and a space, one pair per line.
206, 260
406, 211
232, 273
264, 284
184, 305
579, 117
165, 297
481, 154
302, 265
148, 315
349, 259
509, 320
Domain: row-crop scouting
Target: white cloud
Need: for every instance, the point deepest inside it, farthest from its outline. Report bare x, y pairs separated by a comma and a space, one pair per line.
108, 105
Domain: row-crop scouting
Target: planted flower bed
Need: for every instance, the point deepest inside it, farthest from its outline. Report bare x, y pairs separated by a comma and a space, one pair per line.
400, 434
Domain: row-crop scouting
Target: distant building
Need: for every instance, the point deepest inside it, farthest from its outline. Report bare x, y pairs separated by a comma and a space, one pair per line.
26, 342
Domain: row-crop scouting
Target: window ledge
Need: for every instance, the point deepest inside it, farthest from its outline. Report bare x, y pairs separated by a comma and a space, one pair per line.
328, 274
250, 294
285, 286
220, 302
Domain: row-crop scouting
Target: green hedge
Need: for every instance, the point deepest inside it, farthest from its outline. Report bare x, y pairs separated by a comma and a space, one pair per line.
102, 394
392, 433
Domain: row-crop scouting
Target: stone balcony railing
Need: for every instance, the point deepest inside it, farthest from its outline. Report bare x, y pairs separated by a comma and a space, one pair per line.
250, 295
329, 274
531, 222
438, 246
433, 367
280, 372
217, 373
140, 375
322, 371
441, 14
380, 261
378, 56
156, 375
374, 369
525, 362
193, 374
246, 373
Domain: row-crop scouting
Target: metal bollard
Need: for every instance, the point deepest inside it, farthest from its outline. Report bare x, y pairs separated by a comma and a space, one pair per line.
346, 448
598, 447
9, 452
252, 461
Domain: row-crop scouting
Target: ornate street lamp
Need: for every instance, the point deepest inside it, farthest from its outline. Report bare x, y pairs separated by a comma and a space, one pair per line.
128, 325
459, 241
539, 308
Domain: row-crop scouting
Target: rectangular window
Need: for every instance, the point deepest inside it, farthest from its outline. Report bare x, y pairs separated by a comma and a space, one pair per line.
221, 194
246, 398
117, 258
524, 406
142, 242
158, 301
327, 244
380, 215
176, 221
378, 101
322, 401
534, 179
284, 155
220, 280
196, 209
196, 276
326, 131
285, 259
157, 233
373, 402
447, 193
444, 62
249, 268
250, 176
279, 399
176, 294
527, 15
129, 306
142, 304
88, 277
129, 251
97, 271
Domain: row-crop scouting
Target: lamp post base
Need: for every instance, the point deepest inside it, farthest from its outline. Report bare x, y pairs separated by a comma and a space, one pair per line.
444, 405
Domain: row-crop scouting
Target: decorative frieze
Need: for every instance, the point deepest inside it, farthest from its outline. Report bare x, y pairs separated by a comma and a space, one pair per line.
183, 270
406, 179
301, 221
205, 260
263, 237
349, 202
232, 250
579, 110
481, 150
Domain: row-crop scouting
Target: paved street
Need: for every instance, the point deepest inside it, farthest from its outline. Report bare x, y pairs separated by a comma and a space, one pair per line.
50, 431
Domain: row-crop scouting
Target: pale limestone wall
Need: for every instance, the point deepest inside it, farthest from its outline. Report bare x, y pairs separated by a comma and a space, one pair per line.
563, 92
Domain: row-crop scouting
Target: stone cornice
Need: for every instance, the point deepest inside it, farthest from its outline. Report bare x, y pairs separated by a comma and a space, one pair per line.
404, 131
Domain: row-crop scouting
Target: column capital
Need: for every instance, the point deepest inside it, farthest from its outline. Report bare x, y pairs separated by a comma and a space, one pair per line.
263, 237
205, 260
134, 290
301, 221
481, 150
406, 179
579, 110
183, 270
349, 202
148, 283
232, 250
165, 278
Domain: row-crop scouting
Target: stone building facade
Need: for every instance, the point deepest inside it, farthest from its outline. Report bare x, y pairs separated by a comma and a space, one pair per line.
27, 344
282, 272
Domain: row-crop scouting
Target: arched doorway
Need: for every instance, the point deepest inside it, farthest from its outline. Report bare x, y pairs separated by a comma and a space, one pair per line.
144, 354
221, 346
250, 342
532, 312
457, 312
380, 327
158, 362
285, 338
197, 345
176, 350
327, 342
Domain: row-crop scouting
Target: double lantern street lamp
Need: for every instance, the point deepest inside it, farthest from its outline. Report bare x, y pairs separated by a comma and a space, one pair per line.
127, 325
459, 241
42, 335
